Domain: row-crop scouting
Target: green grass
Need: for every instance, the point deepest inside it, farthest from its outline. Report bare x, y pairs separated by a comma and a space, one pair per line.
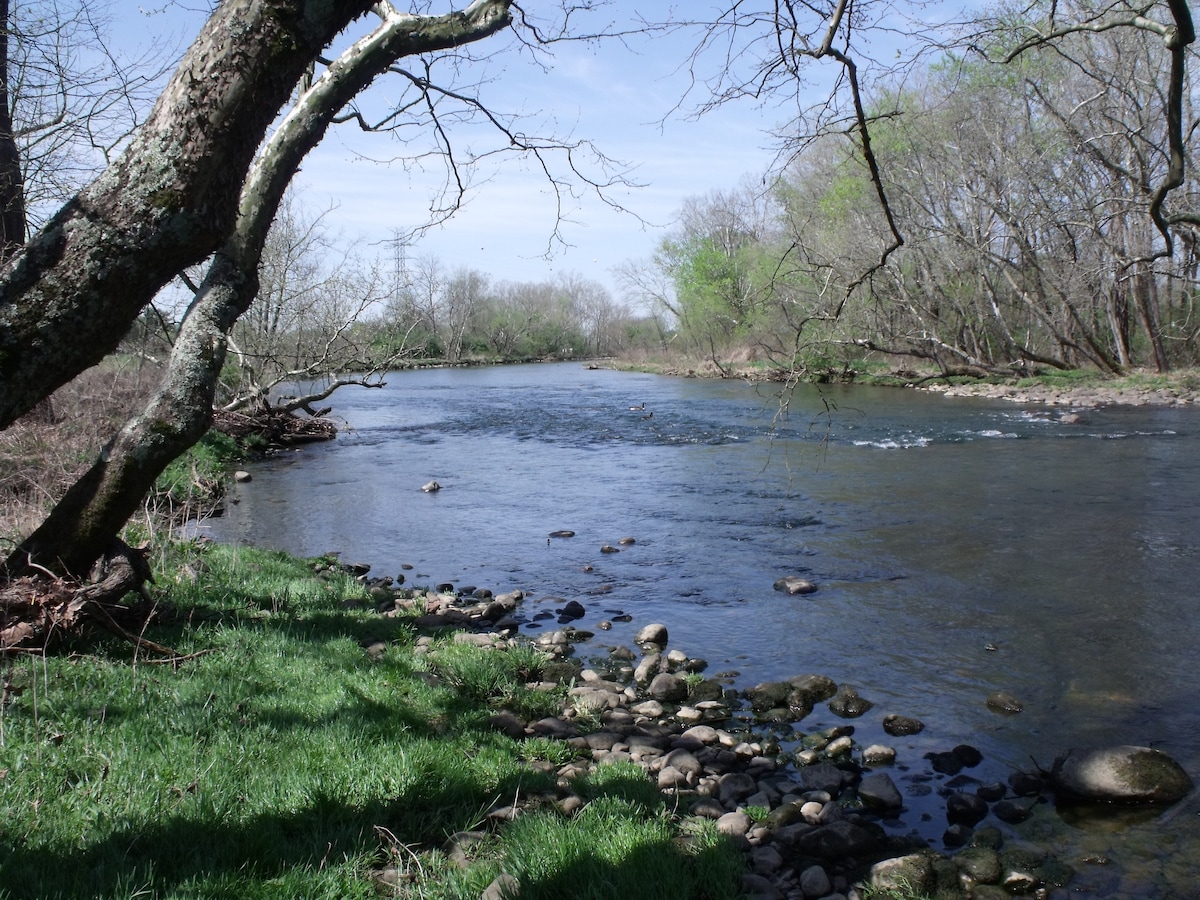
194, 484
287, 762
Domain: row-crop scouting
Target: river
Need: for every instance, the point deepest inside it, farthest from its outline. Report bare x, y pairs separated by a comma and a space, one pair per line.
961, 546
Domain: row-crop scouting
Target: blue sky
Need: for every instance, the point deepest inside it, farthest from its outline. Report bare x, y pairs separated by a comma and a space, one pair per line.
608, 94
618, 95
604, 92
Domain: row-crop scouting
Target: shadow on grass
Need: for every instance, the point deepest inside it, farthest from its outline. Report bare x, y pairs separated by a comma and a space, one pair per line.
189, 852
191, 857
645, 872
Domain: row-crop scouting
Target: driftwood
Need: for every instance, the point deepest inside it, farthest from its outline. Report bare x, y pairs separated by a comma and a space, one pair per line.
36, 611
278, 428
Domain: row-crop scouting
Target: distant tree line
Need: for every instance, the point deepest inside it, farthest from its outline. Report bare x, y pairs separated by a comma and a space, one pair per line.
457, 314
1025, 195
325, 316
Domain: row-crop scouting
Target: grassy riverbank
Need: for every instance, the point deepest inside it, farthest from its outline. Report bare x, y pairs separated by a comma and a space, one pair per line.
304, 746
1064, 388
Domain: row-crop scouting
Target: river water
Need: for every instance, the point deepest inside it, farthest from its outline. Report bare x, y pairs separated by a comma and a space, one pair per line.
961, 546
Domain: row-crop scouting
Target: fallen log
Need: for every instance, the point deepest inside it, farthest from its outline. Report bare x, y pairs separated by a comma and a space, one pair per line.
277, 428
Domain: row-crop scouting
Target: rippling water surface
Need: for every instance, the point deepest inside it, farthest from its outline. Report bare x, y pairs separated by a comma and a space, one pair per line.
937, 529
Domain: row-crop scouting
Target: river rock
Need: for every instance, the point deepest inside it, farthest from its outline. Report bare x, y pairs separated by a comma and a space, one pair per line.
992, 791
821, 777
769, 695
814, 882
813, 688
241, 476
878, 755
1004, 703
508, 723
704, 734
951, 762
670, 688
908, 875
848, 704
562, 533
572, 610
958, 835
841, 839
734, 824
877, 791
980, 864
654, 633
1015, 810
670, 778
431, 487
652, 709
650, 666
794, 584
1125, 774
965, 809
902, 726
733, 787
1023, 784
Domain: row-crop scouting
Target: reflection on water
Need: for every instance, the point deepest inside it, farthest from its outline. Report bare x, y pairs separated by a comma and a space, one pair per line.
936, 527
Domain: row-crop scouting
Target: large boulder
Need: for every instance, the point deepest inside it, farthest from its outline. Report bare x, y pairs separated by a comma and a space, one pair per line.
1125, 774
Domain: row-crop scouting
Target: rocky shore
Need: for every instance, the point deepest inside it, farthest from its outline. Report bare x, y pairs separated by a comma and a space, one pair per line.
1089, 397
817, 814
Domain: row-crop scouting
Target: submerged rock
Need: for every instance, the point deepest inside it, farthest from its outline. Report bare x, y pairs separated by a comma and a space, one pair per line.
1004, 703
1126, 774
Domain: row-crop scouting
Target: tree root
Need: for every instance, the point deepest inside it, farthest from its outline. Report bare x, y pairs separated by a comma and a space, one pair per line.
38, 611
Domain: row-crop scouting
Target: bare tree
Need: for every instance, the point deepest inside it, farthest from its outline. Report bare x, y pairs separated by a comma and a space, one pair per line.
157, 215
307, 327
165, 209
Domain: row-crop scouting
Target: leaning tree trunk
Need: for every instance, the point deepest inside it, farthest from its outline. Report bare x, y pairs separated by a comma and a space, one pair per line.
85, 520
69, 296
93, 511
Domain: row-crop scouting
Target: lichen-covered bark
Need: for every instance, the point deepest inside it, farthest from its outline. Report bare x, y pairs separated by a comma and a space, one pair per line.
94, 510
70, 294
97, 506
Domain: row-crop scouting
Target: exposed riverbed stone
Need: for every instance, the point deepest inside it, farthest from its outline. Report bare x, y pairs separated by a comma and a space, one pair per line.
901, 726
878, 791
667, 687
1126, 774
653, 633
878, 755
813, 688
848, 704
814, 882
981, 864
715, 759
911, 874
794, 584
